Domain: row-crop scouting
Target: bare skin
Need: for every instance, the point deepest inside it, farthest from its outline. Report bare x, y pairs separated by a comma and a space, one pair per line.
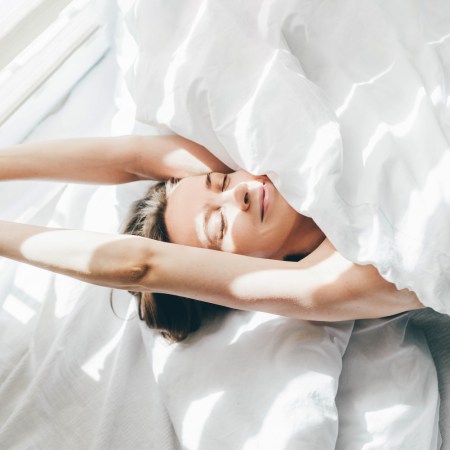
323, 286
238, 213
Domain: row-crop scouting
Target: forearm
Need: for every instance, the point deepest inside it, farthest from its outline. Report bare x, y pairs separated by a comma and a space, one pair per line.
99, 258
109, 160
324, 286
94, 160
140, 264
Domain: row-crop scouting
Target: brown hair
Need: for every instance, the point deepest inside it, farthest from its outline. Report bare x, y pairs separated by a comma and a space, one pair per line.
174, 316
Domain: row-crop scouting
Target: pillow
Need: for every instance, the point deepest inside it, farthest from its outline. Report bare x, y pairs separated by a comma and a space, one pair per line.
387, 387
252, 381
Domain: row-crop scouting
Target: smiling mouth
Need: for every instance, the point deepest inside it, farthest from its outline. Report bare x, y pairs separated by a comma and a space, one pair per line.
263, 193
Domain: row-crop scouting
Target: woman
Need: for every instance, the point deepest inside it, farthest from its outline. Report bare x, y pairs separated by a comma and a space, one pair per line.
235, 213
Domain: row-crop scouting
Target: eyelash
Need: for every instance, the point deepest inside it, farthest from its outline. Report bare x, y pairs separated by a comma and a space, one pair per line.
225, 178
222, 228
222, 217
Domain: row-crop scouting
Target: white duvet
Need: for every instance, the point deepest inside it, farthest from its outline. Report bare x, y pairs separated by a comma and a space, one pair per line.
345, 105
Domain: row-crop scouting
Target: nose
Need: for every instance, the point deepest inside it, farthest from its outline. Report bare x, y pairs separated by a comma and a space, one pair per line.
240, 196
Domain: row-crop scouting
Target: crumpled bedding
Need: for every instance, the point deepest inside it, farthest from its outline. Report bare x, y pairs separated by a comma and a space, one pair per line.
344, 105
378, 403
73, 375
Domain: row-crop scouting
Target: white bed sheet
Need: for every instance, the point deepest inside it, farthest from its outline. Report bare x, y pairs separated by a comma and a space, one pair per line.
72, 375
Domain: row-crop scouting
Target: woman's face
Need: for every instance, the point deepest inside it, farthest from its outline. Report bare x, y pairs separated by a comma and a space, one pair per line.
237, 213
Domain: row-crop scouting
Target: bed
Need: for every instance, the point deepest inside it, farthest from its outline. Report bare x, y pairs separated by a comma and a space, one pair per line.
74, 374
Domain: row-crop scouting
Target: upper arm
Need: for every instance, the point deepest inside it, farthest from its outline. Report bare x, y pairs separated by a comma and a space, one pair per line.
352, 291
323, 286
164, 157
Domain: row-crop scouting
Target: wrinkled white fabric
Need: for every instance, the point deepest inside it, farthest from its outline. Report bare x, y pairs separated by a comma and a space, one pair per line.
345, 105
253, 381
72, 375
380, 405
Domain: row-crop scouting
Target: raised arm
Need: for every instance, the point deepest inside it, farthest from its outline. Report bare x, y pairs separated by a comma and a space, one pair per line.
324, 286
108, 160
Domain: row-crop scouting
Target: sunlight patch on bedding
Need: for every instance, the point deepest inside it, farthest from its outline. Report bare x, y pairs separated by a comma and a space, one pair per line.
32, 281
161, 352
378, 421
123, 120
100, 212
276, 432
427, 200
399, 130
126, 55
377, 135
126, 5
95, 365
196, 417
355, 86
244, 115
437, 95
325, 140
68, 291
403, 128
440, 41
252, 324
19, 310
167, 110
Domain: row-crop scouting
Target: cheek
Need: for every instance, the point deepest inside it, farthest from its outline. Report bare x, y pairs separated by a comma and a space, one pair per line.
244, 238
251, 243
241, 240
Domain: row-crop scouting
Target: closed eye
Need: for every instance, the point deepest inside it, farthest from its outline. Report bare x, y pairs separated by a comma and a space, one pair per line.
223, 224
225, 178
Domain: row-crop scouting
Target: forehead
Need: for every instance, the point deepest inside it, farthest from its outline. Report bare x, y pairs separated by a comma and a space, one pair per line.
185, 211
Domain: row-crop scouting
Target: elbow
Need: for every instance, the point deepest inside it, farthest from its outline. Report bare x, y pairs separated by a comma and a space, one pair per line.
142, 272
129, 277
134, 277
125, 263
137, 275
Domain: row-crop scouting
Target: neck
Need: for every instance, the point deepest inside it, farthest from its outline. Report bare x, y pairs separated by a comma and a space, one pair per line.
304, 238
